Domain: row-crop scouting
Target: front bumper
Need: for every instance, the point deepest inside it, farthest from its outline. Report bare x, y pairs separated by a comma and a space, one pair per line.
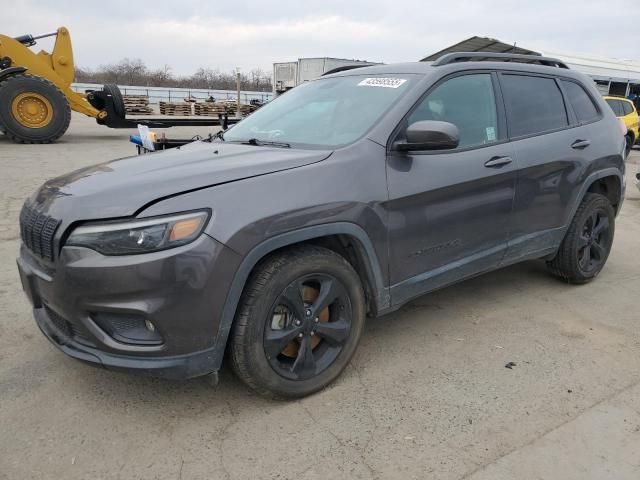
181, 291
173, 367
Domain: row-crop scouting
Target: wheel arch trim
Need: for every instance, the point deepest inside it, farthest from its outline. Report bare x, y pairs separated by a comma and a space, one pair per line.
590, 180
381, 297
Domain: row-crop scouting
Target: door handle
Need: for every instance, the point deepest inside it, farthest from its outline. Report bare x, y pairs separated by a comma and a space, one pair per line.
578, 144
497, 162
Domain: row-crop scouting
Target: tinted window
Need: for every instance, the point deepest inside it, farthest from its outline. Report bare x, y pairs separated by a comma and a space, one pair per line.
626, 108
534, 104
467, 102
616, 107
582, 104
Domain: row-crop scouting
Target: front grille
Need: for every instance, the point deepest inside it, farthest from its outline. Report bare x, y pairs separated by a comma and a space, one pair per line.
68, 329
37, 231
60, 323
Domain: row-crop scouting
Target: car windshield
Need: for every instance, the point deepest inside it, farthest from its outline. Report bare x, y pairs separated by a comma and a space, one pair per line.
328, 112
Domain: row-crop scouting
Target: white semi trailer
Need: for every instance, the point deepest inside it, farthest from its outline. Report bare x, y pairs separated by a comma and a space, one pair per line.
287, 75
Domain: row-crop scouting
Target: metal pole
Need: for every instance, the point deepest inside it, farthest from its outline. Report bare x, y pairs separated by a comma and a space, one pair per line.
238, 92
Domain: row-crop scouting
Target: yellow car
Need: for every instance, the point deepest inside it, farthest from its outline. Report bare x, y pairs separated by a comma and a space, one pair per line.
625, 110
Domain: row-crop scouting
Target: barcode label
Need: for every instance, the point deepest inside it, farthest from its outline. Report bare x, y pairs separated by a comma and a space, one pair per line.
382, 82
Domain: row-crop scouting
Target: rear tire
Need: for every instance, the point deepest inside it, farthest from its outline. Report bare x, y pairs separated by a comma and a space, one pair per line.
587, 243
629, 141
33, 110
317, 347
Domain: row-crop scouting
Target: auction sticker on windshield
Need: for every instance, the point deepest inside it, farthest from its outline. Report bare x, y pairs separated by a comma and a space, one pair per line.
382, 82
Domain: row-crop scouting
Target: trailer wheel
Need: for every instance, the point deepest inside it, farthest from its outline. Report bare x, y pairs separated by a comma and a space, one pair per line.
33, 110
116, 96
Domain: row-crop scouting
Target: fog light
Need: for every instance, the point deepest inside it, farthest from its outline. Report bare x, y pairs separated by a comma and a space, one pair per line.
128, 328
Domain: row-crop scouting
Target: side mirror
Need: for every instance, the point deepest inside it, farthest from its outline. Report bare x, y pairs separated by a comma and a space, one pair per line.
430, 135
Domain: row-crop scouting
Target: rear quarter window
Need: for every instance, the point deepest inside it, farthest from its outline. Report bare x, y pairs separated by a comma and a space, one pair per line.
534, 104
581, 102
616, 107
627, 108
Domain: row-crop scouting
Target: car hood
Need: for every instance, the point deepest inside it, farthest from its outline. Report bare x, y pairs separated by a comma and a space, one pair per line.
123, 187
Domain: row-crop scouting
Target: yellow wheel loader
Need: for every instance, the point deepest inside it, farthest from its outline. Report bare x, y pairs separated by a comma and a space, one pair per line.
36, 98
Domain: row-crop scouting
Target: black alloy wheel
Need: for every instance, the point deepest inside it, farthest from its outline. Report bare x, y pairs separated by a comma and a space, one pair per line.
593, 243
309, 325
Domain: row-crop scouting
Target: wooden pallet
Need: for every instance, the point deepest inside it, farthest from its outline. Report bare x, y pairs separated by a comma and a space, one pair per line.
139, 110
232, 106
137, 104
209, 109
143, 99
177, 109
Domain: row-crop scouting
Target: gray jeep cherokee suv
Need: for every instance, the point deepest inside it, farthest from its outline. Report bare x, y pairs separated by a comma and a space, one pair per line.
344, 198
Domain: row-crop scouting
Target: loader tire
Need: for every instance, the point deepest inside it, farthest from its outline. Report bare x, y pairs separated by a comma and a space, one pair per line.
32, 109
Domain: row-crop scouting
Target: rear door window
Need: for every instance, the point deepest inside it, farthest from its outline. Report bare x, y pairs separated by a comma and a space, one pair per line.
581, 102
616, 107
626, 107
534, 104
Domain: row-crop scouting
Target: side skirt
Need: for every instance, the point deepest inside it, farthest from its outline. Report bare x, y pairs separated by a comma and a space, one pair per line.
454, 272
527, 247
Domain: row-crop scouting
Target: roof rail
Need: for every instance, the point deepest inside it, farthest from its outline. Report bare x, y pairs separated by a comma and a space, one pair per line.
343, 68
499, 57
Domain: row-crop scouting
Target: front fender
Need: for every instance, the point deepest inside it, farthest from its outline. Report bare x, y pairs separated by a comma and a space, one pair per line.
374, 271
7, 72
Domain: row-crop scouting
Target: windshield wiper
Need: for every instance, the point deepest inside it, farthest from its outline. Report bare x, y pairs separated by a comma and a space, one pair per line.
260, 143
219, 134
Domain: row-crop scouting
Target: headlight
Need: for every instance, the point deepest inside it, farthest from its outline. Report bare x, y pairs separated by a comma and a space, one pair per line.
140, 236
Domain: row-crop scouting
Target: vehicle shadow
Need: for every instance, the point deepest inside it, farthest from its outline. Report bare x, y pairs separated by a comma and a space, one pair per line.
138, 390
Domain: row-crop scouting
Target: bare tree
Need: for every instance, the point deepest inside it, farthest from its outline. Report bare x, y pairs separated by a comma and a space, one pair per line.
135, 72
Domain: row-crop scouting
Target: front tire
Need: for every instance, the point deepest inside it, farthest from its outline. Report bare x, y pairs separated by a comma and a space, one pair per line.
299, 322
587, 243
33, 110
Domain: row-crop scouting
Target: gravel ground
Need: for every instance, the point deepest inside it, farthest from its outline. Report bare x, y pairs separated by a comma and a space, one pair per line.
426, 396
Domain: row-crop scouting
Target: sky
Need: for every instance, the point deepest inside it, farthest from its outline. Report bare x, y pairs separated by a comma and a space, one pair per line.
246, 34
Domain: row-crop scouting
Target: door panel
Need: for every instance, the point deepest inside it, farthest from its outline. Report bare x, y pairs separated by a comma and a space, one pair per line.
551, 174
548, 172
444, 209
448, 212
551, 164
